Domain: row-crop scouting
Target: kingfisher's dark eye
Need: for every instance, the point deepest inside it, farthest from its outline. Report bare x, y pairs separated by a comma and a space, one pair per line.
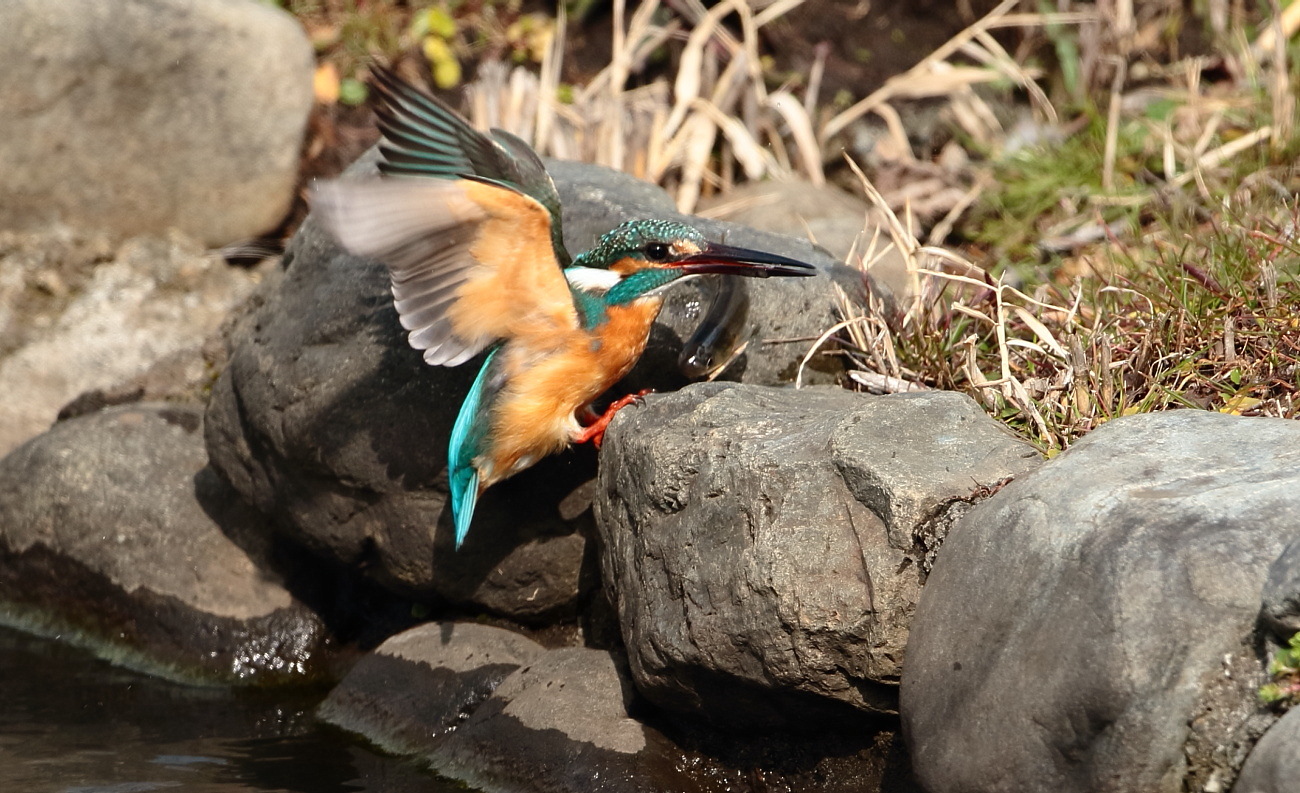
656, 252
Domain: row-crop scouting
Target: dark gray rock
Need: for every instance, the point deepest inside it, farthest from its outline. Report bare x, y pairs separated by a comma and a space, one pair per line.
1090, 627
496, 710
327, 421
1274, 764
1281, 611
141, 115
113, 536
764, 547
419, 685
560, 723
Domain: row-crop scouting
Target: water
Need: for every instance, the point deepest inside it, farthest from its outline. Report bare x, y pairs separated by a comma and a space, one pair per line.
70, 723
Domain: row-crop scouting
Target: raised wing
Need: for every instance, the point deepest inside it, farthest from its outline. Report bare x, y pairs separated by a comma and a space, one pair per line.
424, 137
470, 262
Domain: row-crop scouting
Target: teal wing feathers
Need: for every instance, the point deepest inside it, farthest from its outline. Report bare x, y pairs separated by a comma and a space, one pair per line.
424, 137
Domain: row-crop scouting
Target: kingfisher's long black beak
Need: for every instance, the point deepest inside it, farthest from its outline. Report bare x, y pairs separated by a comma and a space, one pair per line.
730, 260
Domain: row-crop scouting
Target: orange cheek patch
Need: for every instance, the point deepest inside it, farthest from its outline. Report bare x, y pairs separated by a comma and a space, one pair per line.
626, 266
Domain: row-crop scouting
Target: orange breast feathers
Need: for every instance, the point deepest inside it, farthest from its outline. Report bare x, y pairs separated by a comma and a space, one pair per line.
534, 414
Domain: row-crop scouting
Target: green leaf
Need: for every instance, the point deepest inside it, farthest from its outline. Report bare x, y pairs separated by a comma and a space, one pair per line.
352, 91
1270, 692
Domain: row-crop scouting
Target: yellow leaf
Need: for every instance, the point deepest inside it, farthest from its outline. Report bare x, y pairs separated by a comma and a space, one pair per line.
435, 21
325, 84
1239, 404
442, 61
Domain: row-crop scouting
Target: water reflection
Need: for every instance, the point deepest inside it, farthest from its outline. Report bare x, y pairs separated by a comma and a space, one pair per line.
70, 723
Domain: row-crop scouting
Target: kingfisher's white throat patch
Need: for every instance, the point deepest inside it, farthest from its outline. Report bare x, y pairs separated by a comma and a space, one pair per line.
591, 279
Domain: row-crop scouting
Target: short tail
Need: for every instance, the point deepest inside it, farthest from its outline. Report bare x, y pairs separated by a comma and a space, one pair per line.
464, 495
462, 448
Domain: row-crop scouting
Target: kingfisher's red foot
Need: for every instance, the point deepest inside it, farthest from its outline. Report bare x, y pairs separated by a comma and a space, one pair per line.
595, 431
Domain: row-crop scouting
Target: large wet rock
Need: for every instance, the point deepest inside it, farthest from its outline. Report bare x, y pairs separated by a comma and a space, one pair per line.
500, 712
1091, 626
327, 421
78, 313
141, 115
116, 536
766, 547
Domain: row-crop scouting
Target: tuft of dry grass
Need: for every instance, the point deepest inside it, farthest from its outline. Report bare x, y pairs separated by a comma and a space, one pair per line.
1208, 322
1145, 257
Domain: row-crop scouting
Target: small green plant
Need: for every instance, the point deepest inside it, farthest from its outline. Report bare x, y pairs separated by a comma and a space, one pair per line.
1284, 691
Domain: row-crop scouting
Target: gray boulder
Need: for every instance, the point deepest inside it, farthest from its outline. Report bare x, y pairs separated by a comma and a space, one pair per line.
499, 712
766, 547
327, 421
559, 723
1090, 627
141, 115
114, 535
79, 314
419, 685
1274, 764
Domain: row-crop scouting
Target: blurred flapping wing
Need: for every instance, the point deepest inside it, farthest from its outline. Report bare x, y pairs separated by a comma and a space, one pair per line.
471, 262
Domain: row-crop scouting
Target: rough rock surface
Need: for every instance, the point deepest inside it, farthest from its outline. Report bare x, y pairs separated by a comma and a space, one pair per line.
329, 422
560, 723
765, 546
141, 115
113, 535
1090, 626
498, 711
77, 313
1274, 764
419, 685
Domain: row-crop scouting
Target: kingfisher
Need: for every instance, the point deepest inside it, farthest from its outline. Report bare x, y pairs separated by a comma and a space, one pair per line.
468, 225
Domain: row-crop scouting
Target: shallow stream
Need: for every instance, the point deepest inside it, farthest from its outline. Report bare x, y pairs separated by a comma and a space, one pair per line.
70, 723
